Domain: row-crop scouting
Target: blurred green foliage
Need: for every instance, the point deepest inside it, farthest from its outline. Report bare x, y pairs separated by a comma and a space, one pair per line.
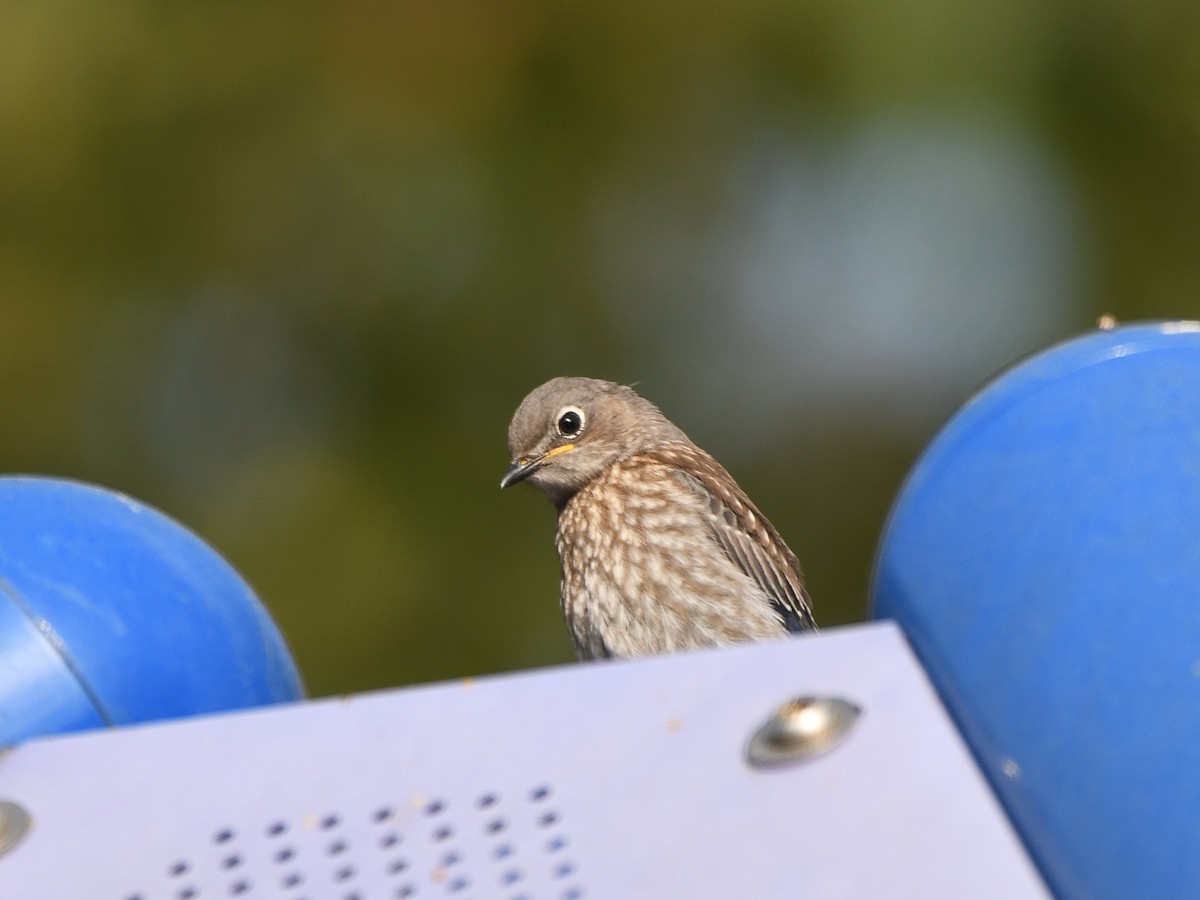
284, 270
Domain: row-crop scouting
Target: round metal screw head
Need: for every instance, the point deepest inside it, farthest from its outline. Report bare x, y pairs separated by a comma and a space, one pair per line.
15, 823
802, 728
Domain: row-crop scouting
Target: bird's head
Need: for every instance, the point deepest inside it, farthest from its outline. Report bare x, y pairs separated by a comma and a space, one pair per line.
569, 430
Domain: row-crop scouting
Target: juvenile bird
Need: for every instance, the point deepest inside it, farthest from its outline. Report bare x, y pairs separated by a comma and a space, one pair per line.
659, 547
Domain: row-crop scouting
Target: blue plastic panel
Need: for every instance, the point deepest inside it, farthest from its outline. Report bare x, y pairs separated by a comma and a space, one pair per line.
622, 780
38, 693
1044, 560
108, 603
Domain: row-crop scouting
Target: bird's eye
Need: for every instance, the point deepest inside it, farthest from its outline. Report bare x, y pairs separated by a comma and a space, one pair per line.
569, 422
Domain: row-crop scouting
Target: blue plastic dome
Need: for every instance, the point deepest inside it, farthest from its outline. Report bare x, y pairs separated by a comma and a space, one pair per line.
1043, 558
111, 613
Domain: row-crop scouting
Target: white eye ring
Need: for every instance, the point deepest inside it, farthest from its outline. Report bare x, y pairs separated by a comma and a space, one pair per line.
569, 422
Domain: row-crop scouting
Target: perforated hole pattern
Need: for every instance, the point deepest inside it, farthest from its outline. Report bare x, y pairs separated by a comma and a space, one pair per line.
476, 847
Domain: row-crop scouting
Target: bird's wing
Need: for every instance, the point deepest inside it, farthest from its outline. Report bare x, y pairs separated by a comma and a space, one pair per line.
744, 533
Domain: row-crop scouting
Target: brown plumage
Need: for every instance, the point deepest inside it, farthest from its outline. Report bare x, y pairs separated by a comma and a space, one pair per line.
660, 548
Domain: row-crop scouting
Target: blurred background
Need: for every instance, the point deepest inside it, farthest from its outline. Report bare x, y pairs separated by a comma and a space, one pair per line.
285, 269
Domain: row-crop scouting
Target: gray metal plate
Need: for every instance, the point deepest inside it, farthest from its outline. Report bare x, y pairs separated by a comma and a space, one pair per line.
613, 780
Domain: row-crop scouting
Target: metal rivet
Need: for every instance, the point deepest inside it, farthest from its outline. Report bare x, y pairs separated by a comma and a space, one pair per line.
802, 728
15, 823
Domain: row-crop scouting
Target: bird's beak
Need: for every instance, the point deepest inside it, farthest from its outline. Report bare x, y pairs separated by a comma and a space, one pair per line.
520, 470
524, 466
